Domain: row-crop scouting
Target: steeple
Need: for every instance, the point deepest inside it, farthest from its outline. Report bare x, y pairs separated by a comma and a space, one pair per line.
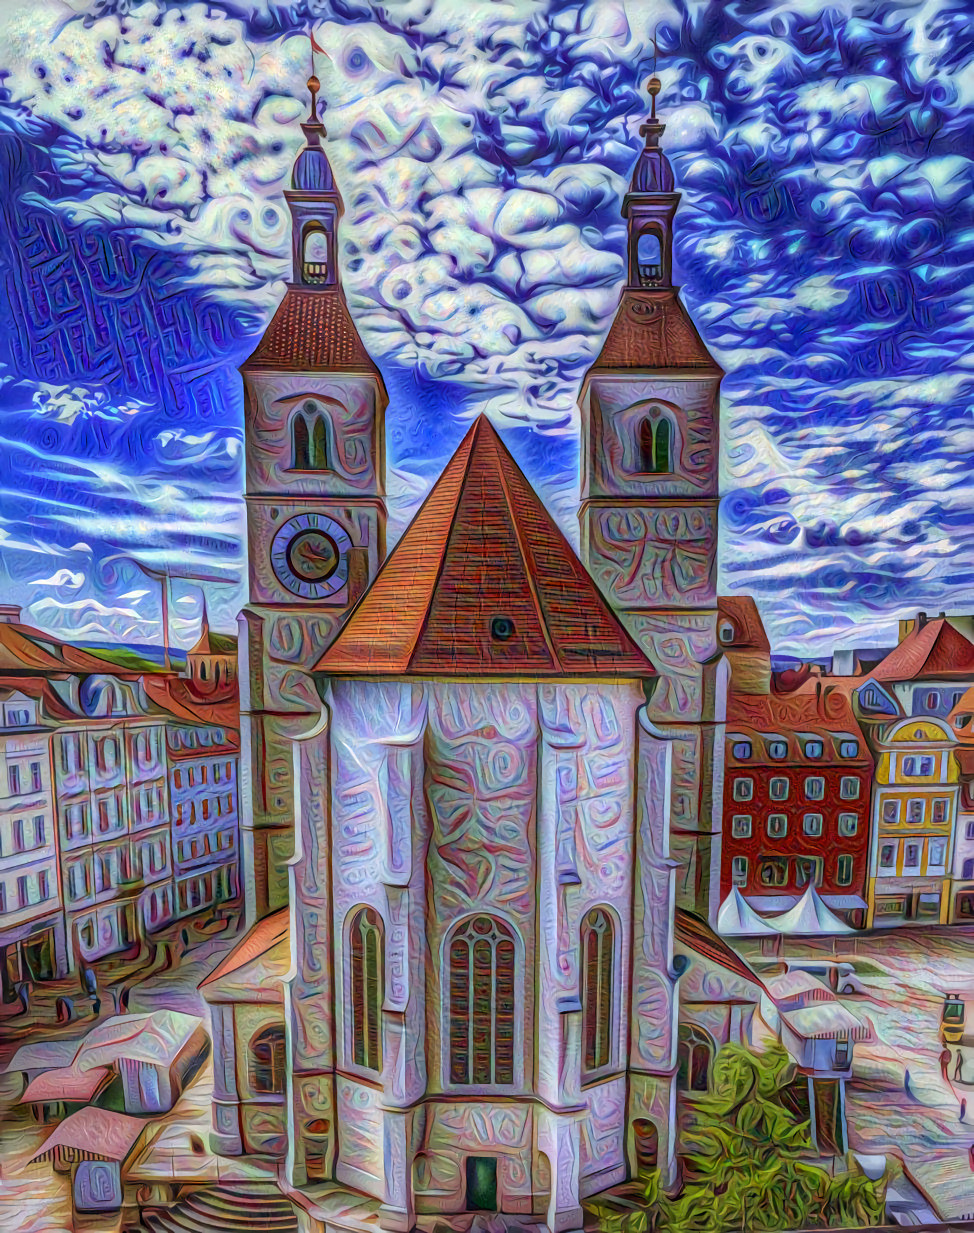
650, 206
315, 205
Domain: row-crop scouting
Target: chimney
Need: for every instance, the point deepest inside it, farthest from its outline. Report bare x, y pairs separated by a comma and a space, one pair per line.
9, 614
921, 620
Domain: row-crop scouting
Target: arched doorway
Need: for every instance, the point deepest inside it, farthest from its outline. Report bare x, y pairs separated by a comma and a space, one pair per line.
695, 1057
646, 1143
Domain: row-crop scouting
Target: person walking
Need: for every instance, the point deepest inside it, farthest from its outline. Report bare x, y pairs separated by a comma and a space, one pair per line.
963, 1109
959, 1068
944, 1063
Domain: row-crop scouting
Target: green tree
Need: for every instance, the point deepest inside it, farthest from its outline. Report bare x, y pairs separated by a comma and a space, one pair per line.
744, 1171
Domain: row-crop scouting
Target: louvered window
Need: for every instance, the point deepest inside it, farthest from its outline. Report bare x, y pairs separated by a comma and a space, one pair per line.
597, 988
365, 942
482, 1003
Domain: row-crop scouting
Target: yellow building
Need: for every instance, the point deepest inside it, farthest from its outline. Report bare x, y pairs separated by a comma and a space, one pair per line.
914, 813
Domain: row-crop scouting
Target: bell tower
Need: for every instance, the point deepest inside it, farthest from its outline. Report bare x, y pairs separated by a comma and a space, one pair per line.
650, 420
313, 404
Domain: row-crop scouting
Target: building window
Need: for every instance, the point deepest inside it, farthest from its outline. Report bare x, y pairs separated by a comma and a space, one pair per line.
743, 789
967, 871
940, 811
482, 1003
597, 988
848, 749
43, 885
842, 1052
848, 825
741, 826
18, 835
891, 812
812, 824
843, 870
655, 446
778, 749
813, 749
742, 749
365, 987
808, 869
936, 854
13, 780
918, 766
739, 871
268, 1061
695, 1054
932, 701
40, 836
774, 871
177, 779
849, 788
309, 439
814, 788
777, 825
911, 856
35, 777
725, 632
914, 811
970, 830
779, 789
887, 856
315, 253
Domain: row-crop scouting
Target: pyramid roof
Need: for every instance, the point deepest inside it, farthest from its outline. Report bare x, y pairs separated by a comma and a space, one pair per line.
936, 649
312, 331
483, 583
653, 330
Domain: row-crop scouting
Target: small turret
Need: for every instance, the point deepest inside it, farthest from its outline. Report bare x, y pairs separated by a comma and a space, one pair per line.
650, 206
315, 205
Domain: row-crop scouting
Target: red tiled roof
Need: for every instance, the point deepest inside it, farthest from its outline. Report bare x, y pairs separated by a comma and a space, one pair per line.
652, 329
823, 711
25, 649
934, 650
483, 547
175, 695
743, 614
95, 1132
693, 931
312, 331
265, 934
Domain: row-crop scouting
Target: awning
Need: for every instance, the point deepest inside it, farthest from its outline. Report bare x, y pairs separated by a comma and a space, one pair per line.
96, 1134
797, 984
155, 1039
826, 1021
737, 919
43, 1056
810, 918
68, 1083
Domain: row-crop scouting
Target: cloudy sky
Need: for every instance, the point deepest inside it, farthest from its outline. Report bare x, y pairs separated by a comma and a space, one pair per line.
825, 245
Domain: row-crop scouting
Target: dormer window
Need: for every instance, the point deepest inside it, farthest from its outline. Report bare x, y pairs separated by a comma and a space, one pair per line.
813, 749
742, 749
725, 632
778, 749
848, 749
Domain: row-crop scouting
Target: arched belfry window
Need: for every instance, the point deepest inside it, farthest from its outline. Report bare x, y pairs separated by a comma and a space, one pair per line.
268, 1061
649, 259
315, 253
310, 439
482, 1019
365, 987
597, 988
656, 445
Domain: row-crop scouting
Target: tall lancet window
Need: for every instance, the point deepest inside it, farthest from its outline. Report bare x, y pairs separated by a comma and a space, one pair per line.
656, 445
365, 948
315, 253
482, 1018
597, 988
309, 439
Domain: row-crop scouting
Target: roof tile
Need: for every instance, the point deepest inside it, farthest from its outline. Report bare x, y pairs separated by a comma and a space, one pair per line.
312, 331
652, 329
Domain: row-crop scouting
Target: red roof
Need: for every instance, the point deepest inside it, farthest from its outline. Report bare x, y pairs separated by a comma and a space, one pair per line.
312, 331
256, 942
815, 709
177, 696
66, 1084
936, 649
95, 1132
25, 649
692, 931
481, 552
652, 329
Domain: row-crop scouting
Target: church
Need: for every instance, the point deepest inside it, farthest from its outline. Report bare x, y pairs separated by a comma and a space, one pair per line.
476, 765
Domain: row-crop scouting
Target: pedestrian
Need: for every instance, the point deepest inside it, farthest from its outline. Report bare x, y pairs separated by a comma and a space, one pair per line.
65, 1009
963, 1109
906, 1085
958, 1068
90, 981
944, 1063
970, 1156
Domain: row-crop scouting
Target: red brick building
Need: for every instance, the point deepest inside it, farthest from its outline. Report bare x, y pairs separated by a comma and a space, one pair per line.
797, 783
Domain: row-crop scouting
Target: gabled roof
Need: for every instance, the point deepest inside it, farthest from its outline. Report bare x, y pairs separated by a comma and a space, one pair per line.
25, 649
652, 330
936, 649
694, 932
483, 583
258, 941
96, 1133
312, 331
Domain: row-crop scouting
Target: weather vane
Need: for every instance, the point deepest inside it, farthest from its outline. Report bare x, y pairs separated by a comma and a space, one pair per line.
314, 85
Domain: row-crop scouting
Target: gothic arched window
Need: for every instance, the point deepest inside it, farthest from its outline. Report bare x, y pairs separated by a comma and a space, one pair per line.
309, 439
695, 1055
597, 988
481, 958
655, 441
268, 1060
365, 987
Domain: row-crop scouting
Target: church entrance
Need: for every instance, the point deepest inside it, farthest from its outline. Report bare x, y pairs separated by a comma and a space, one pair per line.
481, 1183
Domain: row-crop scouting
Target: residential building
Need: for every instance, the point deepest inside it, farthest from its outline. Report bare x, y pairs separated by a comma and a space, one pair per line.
930, 669
915, 807
32, 939
961, 721
203, 798
797, 786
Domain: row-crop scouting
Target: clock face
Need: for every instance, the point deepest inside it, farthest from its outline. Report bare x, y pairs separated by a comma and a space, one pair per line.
309, 554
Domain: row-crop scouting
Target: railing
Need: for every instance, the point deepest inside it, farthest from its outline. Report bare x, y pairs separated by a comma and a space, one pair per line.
649, 275
315, 272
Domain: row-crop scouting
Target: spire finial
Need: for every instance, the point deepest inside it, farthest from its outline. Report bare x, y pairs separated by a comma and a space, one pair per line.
314, 85
653, 87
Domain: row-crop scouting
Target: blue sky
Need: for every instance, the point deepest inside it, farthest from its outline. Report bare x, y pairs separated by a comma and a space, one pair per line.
825, 245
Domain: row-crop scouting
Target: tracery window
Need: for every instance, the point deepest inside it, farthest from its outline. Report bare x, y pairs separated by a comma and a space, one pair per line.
365, 949
597, 989
309, 439
655, 445
481, 961
268, 1060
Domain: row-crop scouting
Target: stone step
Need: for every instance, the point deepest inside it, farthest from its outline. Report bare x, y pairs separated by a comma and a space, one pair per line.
269, 1205
222, 1210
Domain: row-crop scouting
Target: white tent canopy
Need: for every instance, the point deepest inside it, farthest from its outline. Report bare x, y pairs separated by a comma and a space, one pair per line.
154, 1039
737, 919
810, 917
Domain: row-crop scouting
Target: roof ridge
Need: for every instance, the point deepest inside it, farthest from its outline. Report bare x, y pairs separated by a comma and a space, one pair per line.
527, 558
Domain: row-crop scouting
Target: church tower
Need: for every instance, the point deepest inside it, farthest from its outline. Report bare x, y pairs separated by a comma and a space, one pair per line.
650, 417
314, 404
